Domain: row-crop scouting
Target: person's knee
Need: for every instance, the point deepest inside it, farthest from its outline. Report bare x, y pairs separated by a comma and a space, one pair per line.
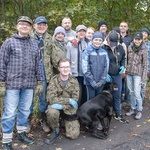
72, 129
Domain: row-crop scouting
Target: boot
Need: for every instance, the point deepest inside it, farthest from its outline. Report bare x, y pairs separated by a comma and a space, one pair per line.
54, 134
44, 122
7, 146
25, 139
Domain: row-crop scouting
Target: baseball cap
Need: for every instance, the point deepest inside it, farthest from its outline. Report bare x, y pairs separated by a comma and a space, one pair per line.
138, 35
81, 27
40, 19
25, 18
113, 37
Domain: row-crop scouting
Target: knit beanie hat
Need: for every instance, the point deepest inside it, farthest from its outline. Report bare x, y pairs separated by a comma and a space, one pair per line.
59, 29
145, 30
98, 34
102, 22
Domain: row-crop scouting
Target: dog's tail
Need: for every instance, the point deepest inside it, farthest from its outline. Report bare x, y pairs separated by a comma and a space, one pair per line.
69, 117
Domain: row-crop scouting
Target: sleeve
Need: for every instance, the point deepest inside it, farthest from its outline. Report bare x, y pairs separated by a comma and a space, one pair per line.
145, 65
4, 59
86, 68
68, 47
122, 63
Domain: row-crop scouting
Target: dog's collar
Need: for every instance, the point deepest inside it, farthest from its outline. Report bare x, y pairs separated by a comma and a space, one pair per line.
106, 91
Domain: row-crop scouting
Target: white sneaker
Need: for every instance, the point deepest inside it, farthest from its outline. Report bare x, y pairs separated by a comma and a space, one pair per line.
131, 112
138, 115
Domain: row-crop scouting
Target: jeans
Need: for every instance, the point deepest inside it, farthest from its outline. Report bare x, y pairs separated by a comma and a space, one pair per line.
16, 102
117, 94
134, 85
91, 92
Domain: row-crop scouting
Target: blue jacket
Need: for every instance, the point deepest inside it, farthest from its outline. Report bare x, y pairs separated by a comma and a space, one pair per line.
95, 64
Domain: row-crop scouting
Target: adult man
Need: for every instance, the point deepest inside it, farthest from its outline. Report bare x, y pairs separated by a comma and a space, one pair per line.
74, 53
126, 39
146, 34
67, 24
43, 40
62, 95
102, 27
19, 71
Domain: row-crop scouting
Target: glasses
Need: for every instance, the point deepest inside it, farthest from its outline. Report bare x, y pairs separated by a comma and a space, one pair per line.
24, 24
64, 67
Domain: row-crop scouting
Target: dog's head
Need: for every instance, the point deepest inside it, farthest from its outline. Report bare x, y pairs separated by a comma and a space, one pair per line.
111, 87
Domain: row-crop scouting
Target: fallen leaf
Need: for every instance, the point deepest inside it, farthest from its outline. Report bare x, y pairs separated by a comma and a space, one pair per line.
115, 127
58, 148
23, 146
148, 120
147, 146
138, 126
15, 144
134, 134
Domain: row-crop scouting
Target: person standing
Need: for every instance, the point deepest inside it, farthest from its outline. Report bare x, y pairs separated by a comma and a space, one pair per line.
74, 53
67, 25
102, 27
89, 33
19, 71
116, 56
95, 65
62, 95
146, 34
136, 70
44, 40
58, 47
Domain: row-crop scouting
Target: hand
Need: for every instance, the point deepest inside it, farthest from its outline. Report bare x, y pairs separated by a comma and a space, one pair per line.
39, 88
98, 84
57, 106
108, 78
2, 89
75, 42
73, 103
121, 70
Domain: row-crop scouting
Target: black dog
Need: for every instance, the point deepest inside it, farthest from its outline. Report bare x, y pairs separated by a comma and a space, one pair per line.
97, 110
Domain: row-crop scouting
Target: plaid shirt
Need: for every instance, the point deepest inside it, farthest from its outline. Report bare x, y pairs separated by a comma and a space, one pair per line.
19, 63
137, 62
148, 47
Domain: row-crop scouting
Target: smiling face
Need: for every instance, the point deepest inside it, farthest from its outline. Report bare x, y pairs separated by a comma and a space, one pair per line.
40, 28
137, 41
123, 27
97, 42
81, 34
23, 28
103, 29
89, 34
64, 68
60, 36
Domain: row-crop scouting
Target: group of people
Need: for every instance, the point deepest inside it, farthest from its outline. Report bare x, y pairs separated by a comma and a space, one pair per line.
65, 70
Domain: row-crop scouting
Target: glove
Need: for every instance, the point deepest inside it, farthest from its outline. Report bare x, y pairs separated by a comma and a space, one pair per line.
121, 70
2, 89
108, 78
98, 84
57, 106
73, 103
39, 88
75, 42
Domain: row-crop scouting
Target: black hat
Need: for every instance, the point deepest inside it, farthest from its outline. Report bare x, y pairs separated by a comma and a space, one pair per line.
113, 37
102, 22
145, 30
138, 35
117, 29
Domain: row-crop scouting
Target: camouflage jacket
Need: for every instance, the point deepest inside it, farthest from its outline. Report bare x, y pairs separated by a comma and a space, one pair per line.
56, 93
58, 51
47, 54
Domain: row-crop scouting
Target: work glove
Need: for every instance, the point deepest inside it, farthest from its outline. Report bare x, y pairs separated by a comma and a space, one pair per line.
98, 84
108, 78
75, 42
57, 106
121, 70
2, 89
39, 88
73, 103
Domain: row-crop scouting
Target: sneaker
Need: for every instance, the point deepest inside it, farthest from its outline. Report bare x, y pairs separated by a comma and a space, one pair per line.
138, 115
55, 134
7, 146
120, 118
131, 112
45, 126
25, 139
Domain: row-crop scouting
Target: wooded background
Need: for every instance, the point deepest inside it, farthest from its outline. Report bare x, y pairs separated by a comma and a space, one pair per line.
87, 12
